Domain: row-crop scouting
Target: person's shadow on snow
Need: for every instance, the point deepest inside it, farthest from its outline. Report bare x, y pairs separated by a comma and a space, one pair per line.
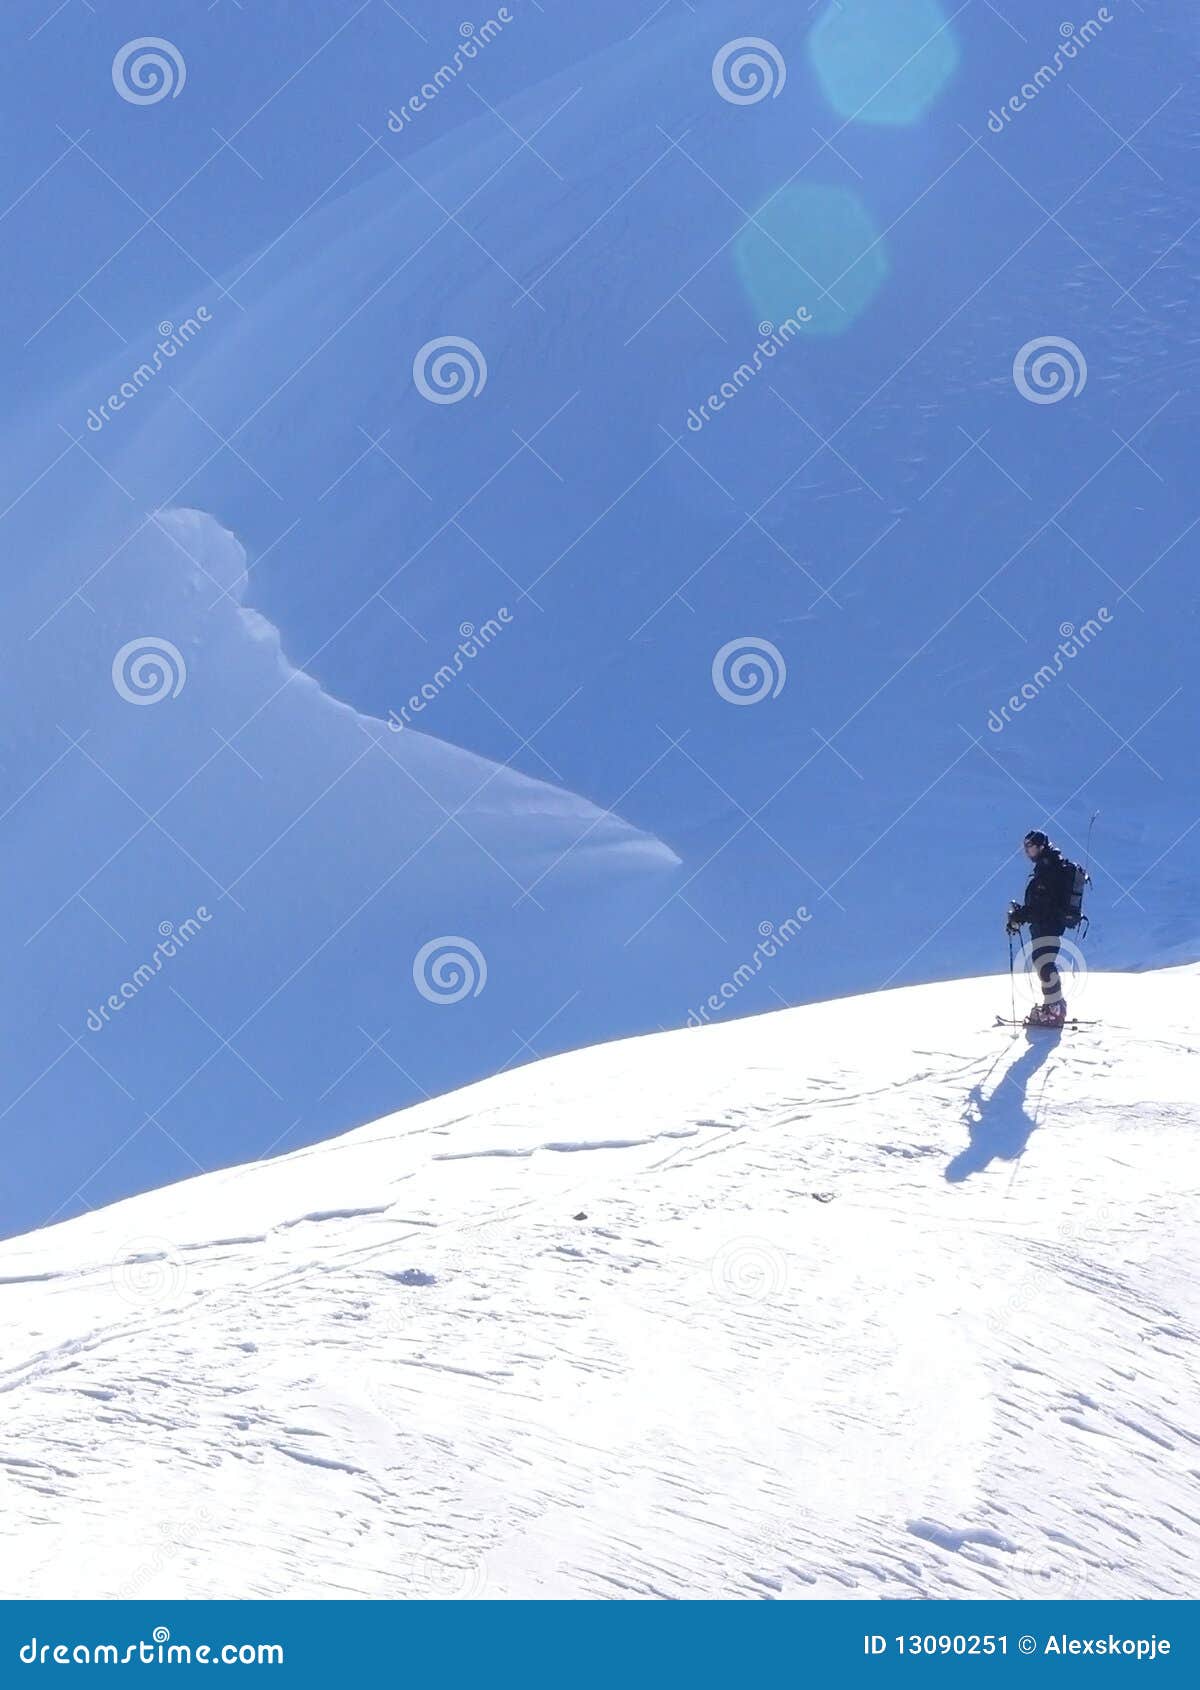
1000, 1126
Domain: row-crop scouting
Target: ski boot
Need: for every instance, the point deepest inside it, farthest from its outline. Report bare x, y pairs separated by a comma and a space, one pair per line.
1047, 1015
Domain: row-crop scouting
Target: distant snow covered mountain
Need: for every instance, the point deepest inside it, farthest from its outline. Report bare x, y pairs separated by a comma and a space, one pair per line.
868, 1298
741, 669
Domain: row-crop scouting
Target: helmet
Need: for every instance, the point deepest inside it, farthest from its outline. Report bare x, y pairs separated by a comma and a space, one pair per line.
1036, 837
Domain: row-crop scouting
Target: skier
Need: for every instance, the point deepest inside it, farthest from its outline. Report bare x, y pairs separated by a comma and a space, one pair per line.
1046, 909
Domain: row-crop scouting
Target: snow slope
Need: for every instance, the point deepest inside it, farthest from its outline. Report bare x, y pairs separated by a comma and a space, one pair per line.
865, 1298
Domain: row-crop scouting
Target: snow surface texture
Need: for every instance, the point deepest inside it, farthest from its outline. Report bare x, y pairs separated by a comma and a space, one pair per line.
868, 1298
880, 504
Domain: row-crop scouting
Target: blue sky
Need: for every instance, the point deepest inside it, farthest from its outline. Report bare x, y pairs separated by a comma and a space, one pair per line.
950, 319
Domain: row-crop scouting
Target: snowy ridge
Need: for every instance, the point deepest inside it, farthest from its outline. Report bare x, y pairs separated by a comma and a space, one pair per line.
868, 1298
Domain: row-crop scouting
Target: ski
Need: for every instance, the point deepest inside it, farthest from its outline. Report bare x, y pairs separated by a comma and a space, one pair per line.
1042, 1026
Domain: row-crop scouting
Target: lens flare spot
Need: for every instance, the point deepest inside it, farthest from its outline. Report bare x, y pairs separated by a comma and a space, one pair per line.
882, 61
812, 253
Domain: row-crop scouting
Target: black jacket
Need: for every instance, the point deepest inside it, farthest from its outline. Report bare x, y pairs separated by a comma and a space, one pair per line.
1048, 894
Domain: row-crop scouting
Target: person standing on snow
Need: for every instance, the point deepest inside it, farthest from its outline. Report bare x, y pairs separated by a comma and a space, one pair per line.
1045, 908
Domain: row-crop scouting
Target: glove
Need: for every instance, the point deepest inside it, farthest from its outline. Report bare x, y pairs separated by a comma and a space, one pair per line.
1016, 915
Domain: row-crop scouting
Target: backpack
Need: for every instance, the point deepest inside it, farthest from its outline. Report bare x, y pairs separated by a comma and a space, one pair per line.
1077, 879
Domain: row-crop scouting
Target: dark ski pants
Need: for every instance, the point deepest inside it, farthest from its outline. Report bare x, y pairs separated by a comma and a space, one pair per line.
1044, 945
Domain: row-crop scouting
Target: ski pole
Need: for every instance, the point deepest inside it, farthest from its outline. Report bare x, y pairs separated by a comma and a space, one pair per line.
1087, 879
1012, 979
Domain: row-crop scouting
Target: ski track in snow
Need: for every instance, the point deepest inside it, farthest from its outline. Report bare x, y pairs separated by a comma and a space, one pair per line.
868, 1298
